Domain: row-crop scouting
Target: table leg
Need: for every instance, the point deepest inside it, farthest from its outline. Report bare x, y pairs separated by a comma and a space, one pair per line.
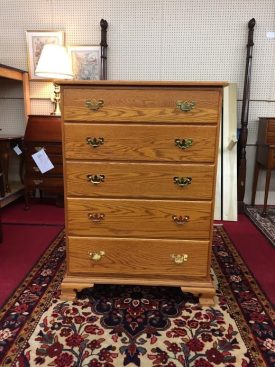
267, 182
255, 182
1, 230
21, 161
2, 184
5, 157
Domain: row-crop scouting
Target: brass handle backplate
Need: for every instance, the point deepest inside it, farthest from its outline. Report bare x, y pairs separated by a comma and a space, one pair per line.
184, 143
95, 142
93, 104
96, 217
96, 256
182, 181
179, 258
95, 179
185, 106
37, 182
181, 219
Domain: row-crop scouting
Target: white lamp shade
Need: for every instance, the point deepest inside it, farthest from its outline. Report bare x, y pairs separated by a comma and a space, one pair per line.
54, 63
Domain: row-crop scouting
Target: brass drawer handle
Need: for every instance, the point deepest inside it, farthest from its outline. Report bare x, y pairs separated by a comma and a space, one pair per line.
39, 148
94, 142
179, 258
96, 217
37, 182
184, 143
36, 169
182, 181
181, 219
93, 104
95, 179
185, 106
96, 256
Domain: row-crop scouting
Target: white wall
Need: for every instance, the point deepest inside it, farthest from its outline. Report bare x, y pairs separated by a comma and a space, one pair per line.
156, 40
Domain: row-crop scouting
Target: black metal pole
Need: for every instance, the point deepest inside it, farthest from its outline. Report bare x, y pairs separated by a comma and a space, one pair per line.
103, 44
241, 159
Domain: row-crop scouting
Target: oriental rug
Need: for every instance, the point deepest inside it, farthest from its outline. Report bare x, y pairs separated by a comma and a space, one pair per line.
265, 224
138, 325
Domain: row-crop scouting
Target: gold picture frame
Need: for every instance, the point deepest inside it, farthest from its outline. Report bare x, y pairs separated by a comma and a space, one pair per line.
85, 61
35, 43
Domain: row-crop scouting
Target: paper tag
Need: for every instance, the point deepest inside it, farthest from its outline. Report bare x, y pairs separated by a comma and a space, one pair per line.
17, 150
42, 161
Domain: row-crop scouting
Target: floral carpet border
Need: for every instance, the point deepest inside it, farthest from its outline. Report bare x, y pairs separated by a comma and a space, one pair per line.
251, 310
266, 224
248, 305
33, 296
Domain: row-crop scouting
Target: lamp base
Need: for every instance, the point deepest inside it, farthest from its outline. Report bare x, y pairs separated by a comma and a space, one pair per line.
56, 100
56, 113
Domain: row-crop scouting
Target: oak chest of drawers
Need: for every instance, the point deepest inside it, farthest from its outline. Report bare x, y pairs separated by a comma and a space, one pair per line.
139, 170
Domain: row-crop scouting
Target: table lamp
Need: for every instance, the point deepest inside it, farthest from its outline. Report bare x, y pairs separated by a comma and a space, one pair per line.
54, 63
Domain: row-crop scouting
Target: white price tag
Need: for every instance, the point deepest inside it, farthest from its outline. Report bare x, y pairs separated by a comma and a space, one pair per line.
42, 161
17, 150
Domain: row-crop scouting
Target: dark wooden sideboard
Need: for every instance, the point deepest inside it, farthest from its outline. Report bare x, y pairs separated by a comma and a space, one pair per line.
43, 132
9, 193
7, 143
265, 155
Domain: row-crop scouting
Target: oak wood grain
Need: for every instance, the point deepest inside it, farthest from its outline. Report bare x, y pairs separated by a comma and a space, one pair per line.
140, 180
140, 142
139, 257
139, 218
142, 105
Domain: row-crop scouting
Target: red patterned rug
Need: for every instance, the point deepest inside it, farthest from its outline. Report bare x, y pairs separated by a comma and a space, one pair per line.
265, 224
138, 325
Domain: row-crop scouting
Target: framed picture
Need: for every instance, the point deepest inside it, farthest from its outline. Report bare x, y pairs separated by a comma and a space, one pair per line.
86, 62
35, 43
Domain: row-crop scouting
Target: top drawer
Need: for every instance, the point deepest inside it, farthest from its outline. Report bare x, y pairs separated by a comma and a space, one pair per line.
270, 139
266, 131
177, 105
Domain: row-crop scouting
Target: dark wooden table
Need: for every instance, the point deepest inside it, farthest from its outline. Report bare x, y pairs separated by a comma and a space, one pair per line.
265, 156
7, 142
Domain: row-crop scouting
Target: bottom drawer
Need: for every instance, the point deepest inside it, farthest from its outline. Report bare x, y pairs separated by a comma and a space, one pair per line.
137, 257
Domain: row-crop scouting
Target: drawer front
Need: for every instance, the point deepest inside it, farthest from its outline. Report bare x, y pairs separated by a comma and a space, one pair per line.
140, 143
137, 257
143, 105
270, 139
32, 169
44, 182
57, 160
271, 159
137, 218
140, 180
55, 149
